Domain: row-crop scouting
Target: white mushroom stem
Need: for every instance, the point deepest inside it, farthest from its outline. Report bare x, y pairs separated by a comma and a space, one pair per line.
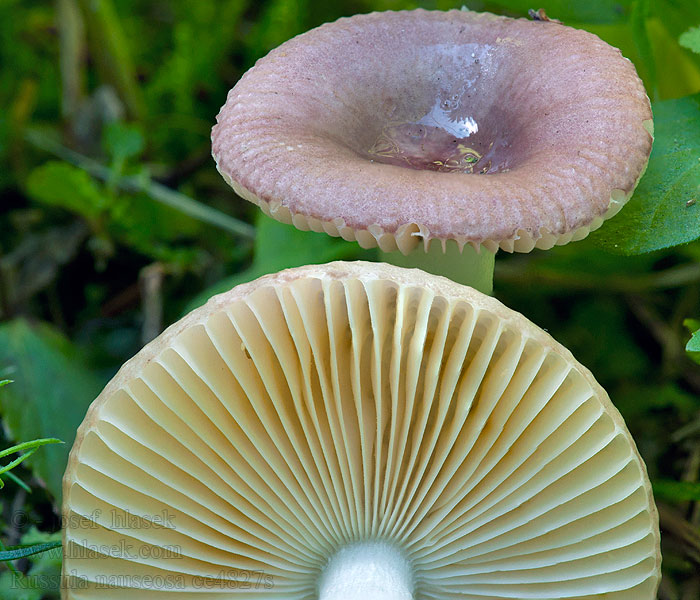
367, 570
468, 267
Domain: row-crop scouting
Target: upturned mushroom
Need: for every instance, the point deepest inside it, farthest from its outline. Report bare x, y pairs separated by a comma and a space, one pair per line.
451, 128
356, 430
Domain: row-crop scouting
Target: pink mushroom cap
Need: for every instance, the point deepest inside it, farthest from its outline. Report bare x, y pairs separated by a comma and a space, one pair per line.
393, 127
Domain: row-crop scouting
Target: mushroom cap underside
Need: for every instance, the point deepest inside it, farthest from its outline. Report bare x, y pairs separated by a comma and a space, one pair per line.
393, 127
334, 404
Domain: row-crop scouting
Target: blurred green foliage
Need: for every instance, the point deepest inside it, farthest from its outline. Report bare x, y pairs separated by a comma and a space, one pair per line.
48, 367
42, 579
114, 221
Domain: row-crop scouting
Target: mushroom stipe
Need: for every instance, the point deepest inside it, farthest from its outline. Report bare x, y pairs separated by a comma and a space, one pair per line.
271, 441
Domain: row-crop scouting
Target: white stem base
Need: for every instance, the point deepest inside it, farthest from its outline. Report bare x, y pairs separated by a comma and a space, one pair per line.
468, 267
367, 571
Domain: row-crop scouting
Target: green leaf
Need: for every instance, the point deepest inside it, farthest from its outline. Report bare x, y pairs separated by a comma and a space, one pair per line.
149, 227
4, 382
57, 183
665, 209
51, 394
24, 551
122, 141
279, 246
692, 325
693, 346
677, 491
691, 39
139, 183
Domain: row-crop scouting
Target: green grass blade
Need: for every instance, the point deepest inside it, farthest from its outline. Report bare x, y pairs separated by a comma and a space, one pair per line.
12, 477
14, 553
29, 445
17, 461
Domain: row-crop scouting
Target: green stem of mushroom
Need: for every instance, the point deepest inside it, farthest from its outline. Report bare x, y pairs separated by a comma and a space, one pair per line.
470, 268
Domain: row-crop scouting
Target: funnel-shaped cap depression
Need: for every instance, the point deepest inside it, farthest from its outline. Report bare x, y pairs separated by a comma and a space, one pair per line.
350, 406
457, 125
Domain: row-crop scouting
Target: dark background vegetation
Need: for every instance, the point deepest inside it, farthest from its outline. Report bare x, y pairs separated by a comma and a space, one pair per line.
114, 222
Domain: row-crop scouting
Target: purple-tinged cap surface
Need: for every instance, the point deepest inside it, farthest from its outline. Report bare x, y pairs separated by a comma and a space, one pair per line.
393, 127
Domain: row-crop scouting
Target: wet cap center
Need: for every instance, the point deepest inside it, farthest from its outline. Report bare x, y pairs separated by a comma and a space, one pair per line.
435, 145
445, 120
